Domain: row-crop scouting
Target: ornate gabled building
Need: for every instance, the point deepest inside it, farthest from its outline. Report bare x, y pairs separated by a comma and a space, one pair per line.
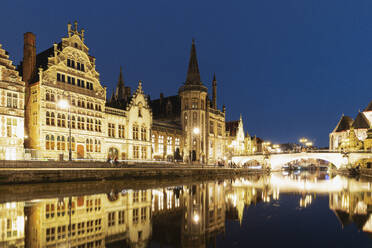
12, 90
64, 98
192, 117
351, 134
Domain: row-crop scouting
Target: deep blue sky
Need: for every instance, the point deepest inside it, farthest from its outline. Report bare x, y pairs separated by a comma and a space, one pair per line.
291, 67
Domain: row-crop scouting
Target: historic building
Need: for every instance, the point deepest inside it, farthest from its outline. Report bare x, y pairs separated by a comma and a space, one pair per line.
64, 98
190, 117
12, 90
352, 134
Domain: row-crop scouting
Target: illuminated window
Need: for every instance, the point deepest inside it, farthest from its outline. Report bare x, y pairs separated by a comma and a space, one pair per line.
52, 143
143, 152
111, 130
143, 133
121, 217
111, 219
219, 129
161, 144
73, 122
47, 142
143, 195
52, 119
135, 196
169, 145
135, 132
177, 143
50, 234
135, 216
136, 152
121, 131
153, 142
143, 214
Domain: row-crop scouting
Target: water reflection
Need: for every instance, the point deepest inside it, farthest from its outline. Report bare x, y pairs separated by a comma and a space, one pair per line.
190, 215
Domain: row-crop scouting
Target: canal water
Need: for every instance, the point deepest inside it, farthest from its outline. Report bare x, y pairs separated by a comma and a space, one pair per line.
278, 210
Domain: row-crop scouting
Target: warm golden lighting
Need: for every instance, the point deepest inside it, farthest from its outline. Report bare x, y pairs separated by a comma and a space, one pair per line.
196, 130
63, 104
196, 218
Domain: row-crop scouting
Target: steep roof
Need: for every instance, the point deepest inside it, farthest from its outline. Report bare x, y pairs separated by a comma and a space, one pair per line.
344, 124
369, 107
193, 81
193, 74
232, 127
166, 107
361, 122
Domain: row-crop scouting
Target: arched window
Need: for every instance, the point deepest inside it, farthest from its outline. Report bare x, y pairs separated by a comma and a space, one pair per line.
87, 145
59, 120
99, 146
82, 104
79, 103
95, 146
48, 118
73, 123
143, 133
169, 145
63, 144
52, 119
58, 142
63, 120
82, 123
161, 144
91, 145
135, 132
47, 142
52, 97
73, 144
52, 142
47, 96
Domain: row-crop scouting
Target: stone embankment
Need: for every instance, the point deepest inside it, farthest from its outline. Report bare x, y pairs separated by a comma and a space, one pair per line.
50, 172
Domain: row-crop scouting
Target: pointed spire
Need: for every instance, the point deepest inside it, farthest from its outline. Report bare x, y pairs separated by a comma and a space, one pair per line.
214, 77
120, 89
193, 75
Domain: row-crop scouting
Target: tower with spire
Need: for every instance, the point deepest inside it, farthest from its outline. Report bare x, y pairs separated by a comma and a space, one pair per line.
193, 96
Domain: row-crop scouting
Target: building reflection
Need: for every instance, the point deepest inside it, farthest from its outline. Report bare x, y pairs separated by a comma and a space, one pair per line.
190, 215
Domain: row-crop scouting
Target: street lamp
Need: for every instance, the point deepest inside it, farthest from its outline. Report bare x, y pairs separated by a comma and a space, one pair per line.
64, 104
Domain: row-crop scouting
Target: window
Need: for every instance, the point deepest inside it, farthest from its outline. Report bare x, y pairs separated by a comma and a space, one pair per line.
135, 196
52, 143
153, 143
177, 143
89, 145
121, 131
80, 228
61, 209
47, 142
219, 129
143, 195
89, 205
143, 133
58, 77
82, 67
161, 144
111, 130
135, 152
97, 205
11, 127
121, 217
211, 127
143, 152
195, 118
135, 132
58, 142
72, 143
194, 103
48, 118
111, 219
49, 211
143, 214
63, 120
59, 120
63, 143
73, 122
52, 119
61, 232
50, 234
12, 100
47, 96
135, 216
169, 145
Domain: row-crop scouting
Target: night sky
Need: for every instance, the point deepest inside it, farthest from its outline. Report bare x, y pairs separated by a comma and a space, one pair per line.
291, 67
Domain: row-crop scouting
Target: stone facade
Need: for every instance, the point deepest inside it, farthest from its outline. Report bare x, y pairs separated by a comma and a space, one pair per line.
67, 86
352, 135
12, 92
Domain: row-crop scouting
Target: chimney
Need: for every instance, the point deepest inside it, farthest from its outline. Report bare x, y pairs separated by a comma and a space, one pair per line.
29, 58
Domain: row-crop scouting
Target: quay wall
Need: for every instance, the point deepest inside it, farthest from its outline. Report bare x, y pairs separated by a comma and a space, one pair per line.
51, 175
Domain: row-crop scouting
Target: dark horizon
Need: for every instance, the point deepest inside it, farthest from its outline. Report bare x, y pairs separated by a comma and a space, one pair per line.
290, 68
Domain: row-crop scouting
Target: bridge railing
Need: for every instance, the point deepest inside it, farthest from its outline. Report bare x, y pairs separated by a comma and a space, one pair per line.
294, 152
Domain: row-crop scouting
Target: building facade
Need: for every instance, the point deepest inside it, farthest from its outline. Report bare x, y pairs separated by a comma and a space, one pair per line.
65, 99
12, 90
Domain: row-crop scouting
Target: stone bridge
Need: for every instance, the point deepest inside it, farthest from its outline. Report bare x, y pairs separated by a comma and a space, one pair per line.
276, 160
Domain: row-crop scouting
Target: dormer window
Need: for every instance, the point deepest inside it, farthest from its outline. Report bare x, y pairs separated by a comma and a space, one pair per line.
76, 45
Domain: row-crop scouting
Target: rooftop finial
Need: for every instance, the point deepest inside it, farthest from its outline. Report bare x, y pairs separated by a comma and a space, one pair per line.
193, 75
76, 24
69, 29
82, 34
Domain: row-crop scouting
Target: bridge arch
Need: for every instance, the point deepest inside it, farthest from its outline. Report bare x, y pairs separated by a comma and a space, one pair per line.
278, 160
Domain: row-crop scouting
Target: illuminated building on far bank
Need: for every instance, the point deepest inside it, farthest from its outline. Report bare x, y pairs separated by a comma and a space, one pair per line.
59, 110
